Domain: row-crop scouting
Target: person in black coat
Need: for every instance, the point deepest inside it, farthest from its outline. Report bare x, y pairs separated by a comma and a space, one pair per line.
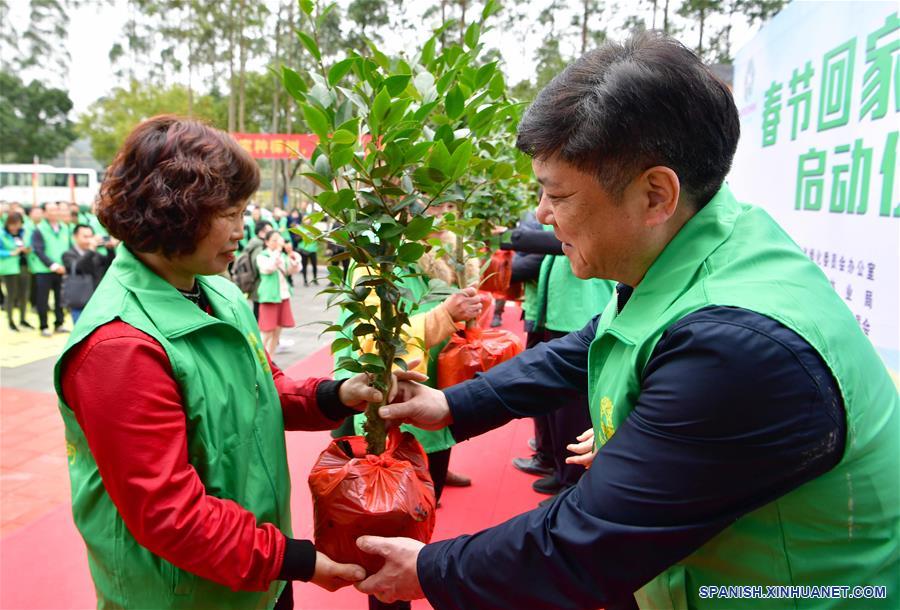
83, 259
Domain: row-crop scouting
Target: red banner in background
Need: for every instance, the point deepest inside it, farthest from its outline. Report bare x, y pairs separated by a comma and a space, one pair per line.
277, 145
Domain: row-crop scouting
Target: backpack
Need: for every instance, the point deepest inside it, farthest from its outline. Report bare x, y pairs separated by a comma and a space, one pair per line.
244, 272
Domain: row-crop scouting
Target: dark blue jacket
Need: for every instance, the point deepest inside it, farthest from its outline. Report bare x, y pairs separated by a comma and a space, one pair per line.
734, 411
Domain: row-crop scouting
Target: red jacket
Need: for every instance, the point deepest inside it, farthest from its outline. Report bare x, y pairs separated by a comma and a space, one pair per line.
140, 446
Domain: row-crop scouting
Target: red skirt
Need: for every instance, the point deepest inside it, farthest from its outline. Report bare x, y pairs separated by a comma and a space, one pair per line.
273, 315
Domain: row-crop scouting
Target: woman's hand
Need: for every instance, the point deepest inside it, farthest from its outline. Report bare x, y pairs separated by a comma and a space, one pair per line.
357, 391
332, 576
583, 449
464, 305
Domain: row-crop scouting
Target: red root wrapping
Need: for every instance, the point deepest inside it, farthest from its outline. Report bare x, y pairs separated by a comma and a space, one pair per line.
475, 350
355, 494
487, 309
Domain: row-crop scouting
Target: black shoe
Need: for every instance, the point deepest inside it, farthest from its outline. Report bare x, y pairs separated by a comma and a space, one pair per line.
316, 282
533, 465
13, 327
497, 321
548, 485
25, 324
532, 444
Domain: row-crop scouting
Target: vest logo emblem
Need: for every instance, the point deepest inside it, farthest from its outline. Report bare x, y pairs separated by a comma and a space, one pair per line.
71, 452
607, 428
260, 352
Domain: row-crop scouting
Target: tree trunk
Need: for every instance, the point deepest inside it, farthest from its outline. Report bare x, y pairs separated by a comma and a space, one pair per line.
462, 22
232, 105
653, 26
666, 18
443, 21
584, 25
242, 73
190, 62
276, 105
700, 42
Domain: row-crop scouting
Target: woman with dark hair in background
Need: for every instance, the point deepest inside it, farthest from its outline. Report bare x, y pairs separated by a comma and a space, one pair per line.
14, 250
174, 413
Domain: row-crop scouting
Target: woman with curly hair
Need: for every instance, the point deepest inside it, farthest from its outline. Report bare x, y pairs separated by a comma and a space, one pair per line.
174, 413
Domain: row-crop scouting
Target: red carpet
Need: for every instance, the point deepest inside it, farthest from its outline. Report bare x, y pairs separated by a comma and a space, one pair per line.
43, 565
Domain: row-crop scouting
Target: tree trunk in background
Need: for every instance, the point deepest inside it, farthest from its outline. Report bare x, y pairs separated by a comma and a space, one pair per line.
584, 25
242, 73
232, 102
666, 18
276, 105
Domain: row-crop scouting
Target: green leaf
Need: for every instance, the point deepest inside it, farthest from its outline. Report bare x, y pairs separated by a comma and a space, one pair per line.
323, 167
316, 120
295, 85
400, 363
454, 102
371, 360
424, 82
363, 329
419, 227
342, 136
484, 74
307, 41
410, 252
342, 156
498, 85
381, 104
307, 6
473, 33
460, 159
339, 344
397, 83
339, 70
440, 158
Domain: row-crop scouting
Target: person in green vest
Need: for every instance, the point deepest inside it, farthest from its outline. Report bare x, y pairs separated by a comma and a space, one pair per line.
746, 433
274, 293
558, 304
14, 251
49, 240
174, 414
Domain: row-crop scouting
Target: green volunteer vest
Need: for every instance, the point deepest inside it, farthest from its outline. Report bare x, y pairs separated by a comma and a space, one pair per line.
269, 290
575, 301
282, 228
234, 424
841, 528
9, 265
55, 244
431, 440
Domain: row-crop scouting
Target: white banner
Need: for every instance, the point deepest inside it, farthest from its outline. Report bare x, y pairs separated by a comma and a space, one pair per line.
818, 91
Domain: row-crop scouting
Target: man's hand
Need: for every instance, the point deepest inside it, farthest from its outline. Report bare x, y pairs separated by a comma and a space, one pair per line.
419, 405
398, 578
357, 391
58, 269
332, 576
583, 449
464, 305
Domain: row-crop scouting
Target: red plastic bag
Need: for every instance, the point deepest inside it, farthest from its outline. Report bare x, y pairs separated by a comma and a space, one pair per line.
383, 495
497, 276
487, 309
475, 350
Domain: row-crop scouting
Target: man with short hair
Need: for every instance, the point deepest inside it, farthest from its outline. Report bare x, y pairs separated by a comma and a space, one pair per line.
83, 258
745, 432
49, 240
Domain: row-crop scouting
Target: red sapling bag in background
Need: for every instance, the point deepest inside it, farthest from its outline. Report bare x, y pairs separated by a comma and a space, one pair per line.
475, 350
497, 276
383, 495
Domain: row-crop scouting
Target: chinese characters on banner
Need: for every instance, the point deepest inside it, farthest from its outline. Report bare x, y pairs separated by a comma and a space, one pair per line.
277, 145
818, 90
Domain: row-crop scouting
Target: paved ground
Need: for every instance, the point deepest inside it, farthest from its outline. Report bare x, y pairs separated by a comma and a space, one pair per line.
33, 475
